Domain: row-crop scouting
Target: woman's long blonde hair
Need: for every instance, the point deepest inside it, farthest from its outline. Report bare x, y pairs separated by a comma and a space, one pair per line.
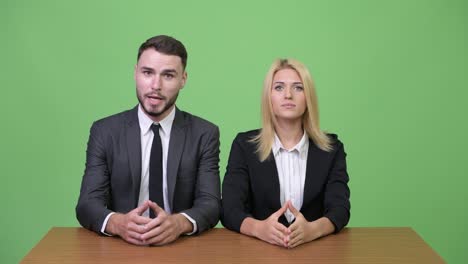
310, 119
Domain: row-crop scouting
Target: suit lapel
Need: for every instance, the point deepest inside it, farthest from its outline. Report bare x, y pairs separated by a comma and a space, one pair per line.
176, 146
134, 151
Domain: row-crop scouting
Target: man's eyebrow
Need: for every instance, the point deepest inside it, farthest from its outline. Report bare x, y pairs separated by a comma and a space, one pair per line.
169, 71
144, 68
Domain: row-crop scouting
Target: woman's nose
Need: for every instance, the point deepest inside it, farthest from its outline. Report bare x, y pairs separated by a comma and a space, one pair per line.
287, 93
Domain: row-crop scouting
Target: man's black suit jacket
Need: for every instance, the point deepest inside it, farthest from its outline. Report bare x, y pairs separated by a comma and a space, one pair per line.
111, 182
251, 187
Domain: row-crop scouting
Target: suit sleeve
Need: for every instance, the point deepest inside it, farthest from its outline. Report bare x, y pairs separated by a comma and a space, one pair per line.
91, 209
236, 189
207, 205
337, 205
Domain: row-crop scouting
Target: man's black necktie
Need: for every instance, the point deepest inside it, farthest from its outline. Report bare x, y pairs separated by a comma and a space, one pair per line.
155, 170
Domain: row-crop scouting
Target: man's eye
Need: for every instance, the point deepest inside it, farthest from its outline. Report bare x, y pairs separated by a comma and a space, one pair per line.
146, 73
168, 76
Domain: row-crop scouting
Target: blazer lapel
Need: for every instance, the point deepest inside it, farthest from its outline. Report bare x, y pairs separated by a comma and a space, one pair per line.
134, 151
270, 172
313, 165
271, 178
176, 146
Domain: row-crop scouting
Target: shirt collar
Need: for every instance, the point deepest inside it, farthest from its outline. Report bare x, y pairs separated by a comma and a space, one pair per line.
300, 147
146, 122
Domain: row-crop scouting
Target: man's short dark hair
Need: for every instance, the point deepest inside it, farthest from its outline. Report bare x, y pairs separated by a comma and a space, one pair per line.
166, 45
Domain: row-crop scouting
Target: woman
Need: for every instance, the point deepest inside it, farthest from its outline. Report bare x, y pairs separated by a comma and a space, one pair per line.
286, 183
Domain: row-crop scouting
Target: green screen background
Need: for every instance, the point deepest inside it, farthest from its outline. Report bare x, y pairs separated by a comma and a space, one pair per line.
391, 78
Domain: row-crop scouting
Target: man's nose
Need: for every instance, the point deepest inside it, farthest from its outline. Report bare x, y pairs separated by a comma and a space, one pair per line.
156, 85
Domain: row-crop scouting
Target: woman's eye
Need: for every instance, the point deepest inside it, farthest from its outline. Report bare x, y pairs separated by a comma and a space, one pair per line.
299, 88
278, 88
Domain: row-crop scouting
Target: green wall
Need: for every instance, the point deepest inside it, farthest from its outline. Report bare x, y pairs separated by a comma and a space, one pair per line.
391, 78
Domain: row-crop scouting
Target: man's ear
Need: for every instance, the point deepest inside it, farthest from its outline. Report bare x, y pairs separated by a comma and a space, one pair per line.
184, 79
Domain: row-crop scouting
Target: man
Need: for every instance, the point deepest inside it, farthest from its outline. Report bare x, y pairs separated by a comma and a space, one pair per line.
152, 172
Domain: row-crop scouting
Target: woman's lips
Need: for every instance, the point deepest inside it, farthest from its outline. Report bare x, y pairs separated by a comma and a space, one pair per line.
288, 105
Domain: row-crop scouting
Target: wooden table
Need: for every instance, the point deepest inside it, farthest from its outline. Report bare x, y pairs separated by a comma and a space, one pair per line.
352, 245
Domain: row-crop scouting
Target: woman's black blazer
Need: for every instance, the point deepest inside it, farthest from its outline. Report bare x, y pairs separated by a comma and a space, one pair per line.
251, 188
